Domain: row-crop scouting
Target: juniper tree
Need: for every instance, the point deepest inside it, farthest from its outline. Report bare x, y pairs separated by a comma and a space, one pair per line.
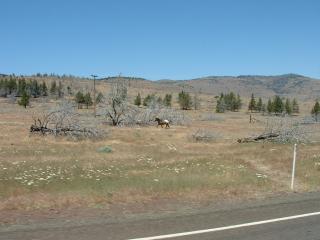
24, 101
252, 104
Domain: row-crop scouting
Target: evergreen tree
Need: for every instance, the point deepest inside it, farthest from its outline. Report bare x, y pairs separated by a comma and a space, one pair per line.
315, 112
87, 100
278, 105
167, 100
270, 106
148, 100
53, 88
35, 90
238, 103
137, 100
259, 105
252, 104
79, 98
184, 100
288, 107
44, 89
295, 106
24, 101
22, 87
11, 85
221, 106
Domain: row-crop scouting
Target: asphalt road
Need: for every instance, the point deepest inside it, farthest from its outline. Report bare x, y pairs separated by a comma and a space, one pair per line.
300, 228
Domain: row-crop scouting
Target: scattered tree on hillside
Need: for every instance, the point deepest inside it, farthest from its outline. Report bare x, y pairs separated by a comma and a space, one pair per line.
87, 100
288, 107
24, 101
259, 105
278, 106
229, 102
53, 88
315, 112
167, 100
149, 100
252, 104
79, 98
184, 100
44, 89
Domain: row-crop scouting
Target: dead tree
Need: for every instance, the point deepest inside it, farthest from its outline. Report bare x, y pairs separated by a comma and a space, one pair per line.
117, 105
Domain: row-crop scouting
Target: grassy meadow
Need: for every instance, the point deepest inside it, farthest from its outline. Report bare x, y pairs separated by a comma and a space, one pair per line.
134, 165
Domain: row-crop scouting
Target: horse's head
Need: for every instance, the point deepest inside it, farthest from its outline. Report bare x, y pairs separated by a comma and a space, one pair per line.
157, 119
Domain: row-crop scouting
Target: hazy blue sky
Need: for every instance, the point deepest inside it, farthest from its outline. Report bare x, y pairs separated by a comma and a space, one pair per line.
160, 39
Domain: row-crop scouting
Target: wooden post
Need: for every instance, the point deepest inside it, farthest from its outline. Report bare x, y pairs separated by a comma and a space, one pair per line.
293, 166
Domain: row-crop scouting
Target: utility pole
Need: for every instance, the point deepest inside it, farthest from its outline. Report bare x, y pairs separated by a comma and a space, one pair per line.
94, 93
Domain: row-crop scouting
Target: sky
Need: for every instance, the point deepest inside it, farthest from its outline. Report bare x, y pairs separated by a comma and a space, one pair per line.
160, 39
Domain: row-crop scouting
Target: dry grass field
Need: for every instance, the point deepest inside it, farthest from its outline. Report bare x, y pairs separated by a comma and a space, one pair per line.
134, 166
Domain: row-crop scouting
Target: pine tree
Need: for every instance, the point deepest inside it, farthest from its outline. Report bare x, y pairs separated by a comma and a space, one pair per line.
167, 100
53, 88
252, 104
137, 100
184, 100
22, 87
79, 98
149, 99
87, 100
24, 101
44, 89
288, 107
259, 105
270, 106
221, 106
278, 105
315, 112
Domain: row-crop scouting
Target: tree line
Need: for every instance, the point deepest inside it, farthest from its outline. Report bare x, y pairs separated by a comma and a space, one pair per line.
275, 105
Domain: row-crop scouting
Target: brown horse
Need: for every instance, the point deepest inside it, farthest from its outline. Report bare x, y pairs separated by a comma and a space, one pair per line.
162, 122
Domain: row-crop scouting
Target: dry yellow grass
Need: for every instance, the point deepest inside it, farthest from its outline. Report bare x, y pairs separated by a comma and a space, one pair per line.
146, 164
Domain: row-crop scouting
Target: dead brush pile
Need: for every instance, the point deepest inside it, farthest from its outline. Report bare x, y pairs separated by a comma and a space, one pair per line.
63, 121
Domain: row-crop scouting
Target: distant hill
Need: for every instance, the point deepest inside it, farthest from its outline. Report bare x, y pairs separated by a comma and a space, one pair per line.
293, 85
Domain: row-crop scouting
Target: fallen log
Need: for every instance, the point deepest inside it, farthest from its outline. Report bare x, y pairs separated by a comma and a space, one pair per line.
265, 136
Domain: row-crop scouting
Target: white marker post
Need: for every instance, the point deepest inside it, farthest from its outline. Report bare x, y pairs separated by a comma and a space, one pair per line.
293, 165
